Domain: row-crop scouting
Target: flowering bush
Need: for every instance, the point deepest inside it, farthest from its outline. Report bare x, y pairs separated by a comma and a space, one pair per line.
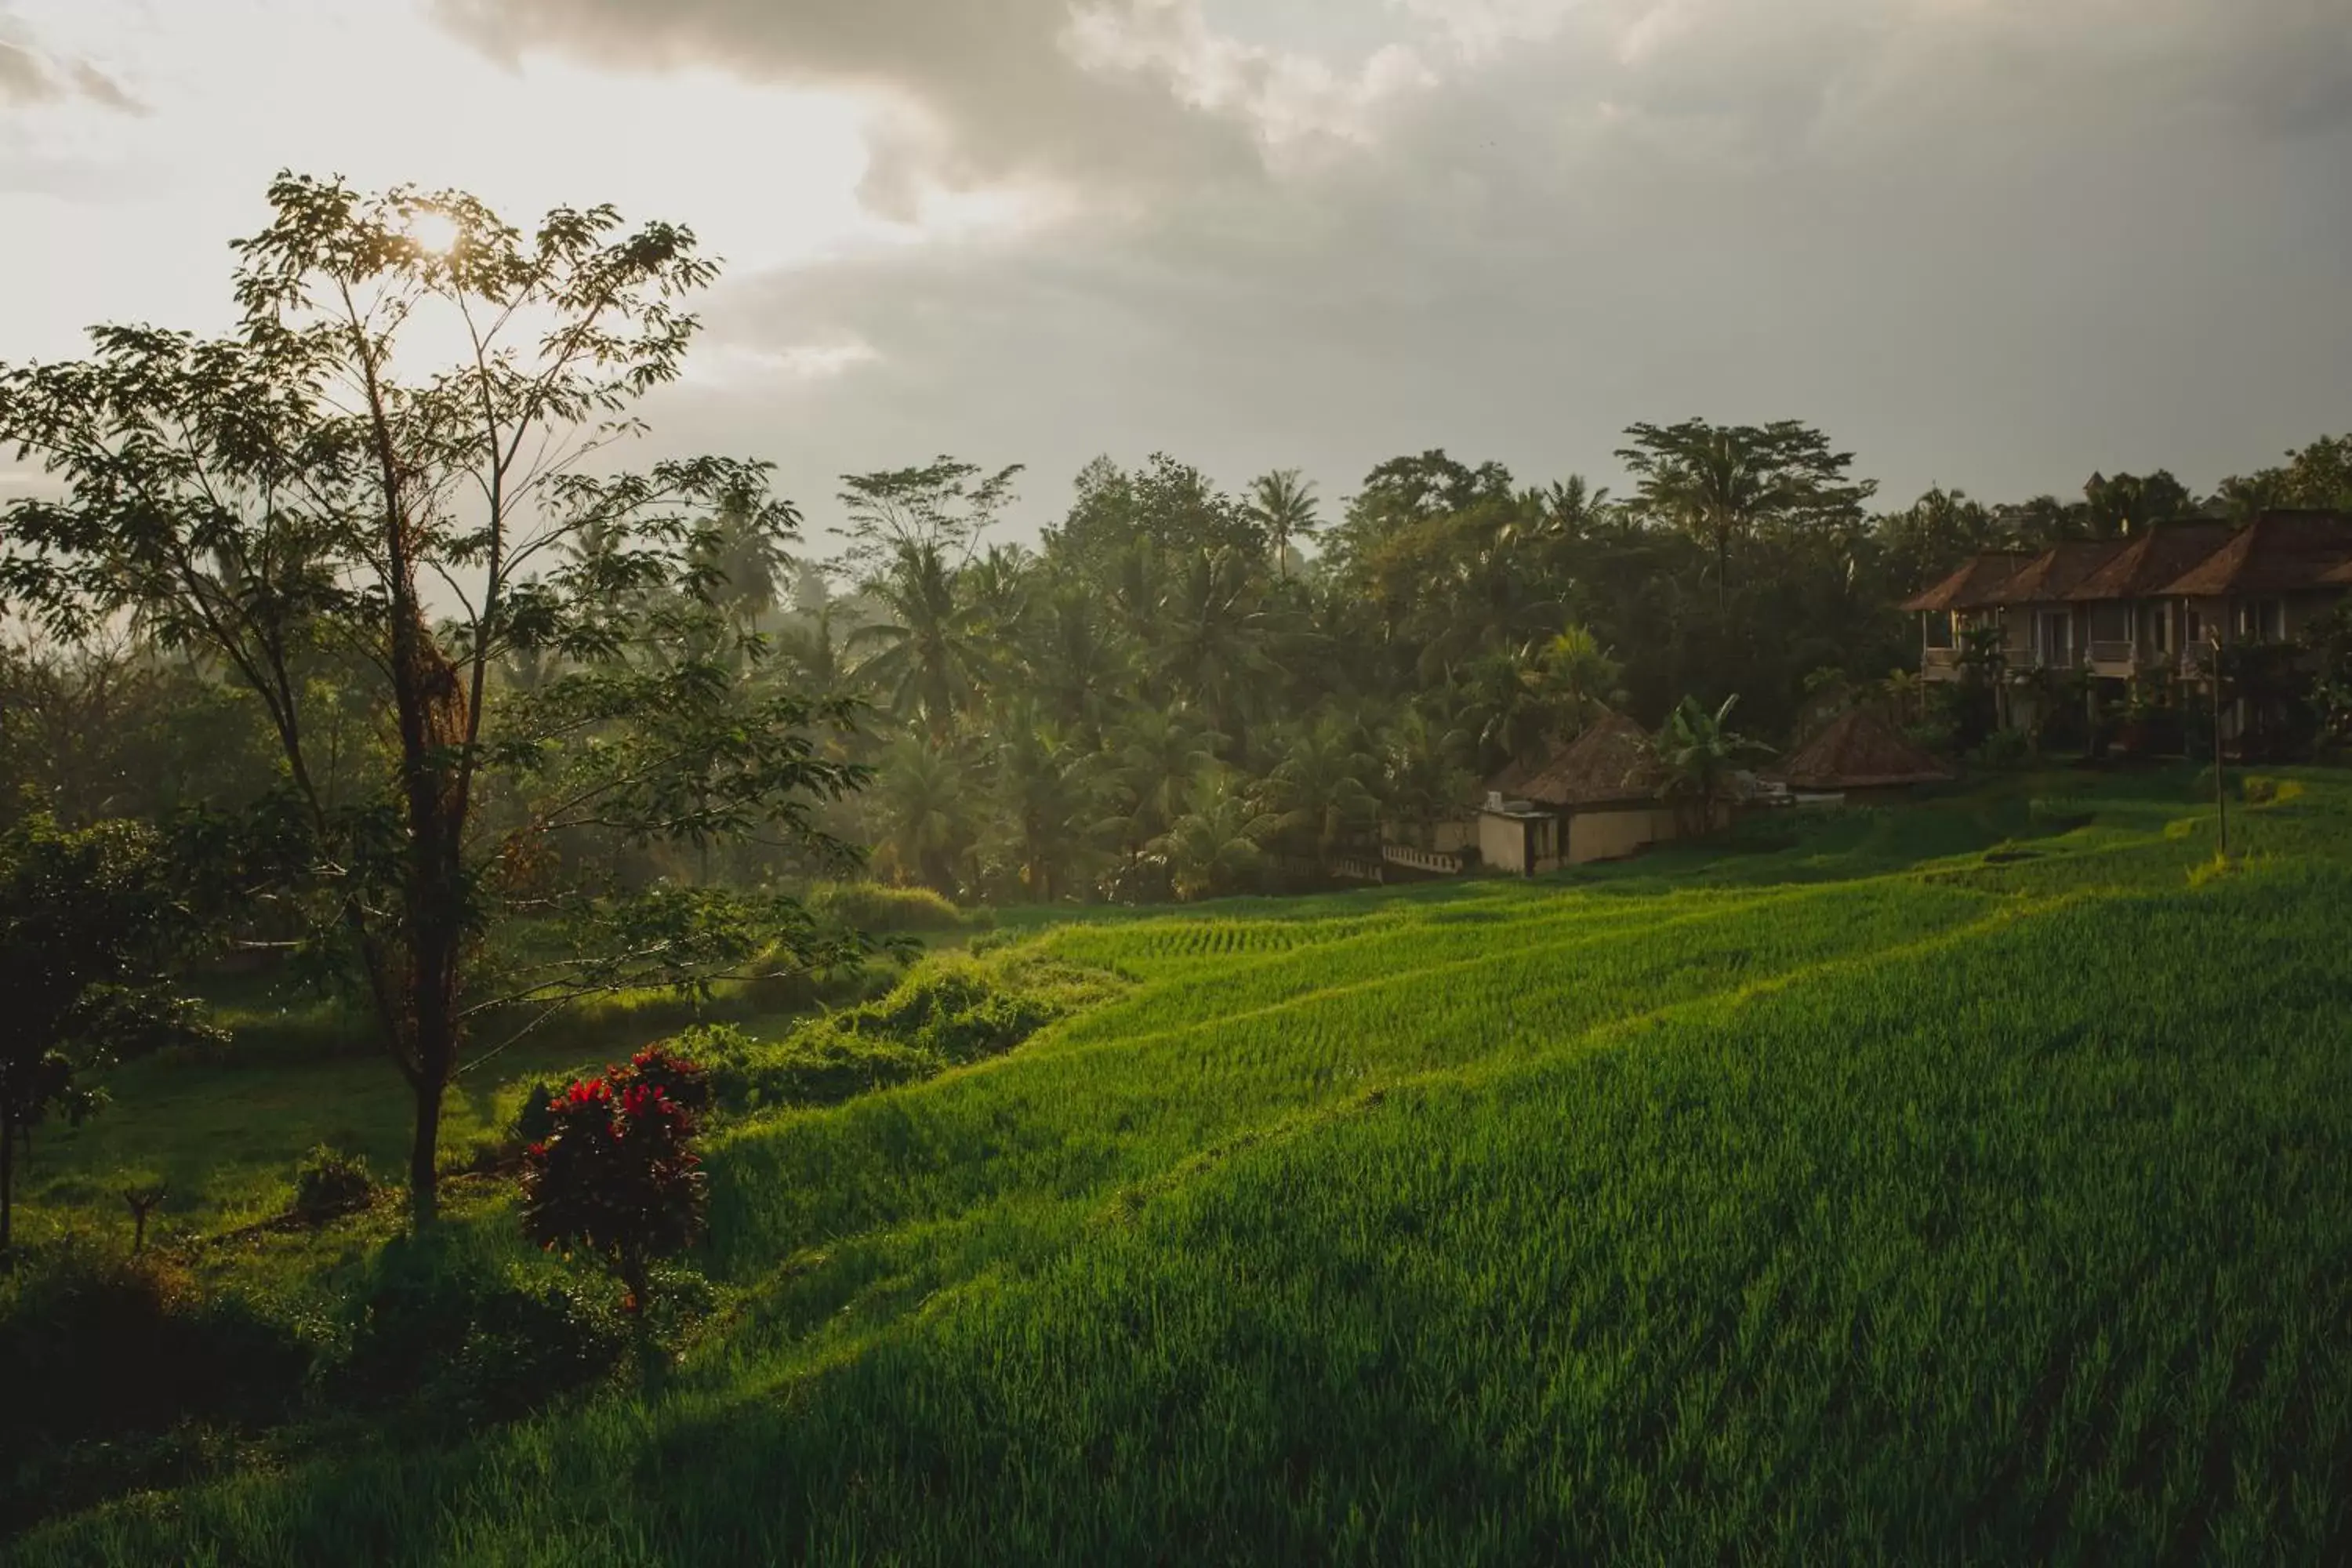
685, 1083
616, 1174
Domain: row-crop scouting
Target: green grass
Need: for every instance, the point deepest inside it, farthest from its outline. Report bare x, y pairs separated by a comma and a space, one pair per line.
226, 1128
1965, 1182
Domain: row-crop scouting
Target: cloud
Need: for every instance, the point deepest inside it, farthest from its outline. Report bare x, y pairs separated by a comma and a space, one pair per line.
977, 92
1983, 241
30, 75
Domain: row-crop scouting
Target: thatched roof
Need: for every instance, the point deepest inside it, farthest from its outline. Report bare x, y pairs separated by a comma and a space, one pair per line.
1860, 750
1966, 588
2056, 572
1609, 764
2277, 553
2154, 561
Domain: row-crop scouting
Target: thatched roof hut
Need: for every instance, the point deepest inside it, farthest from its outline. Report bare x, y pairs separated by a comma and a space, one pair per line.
1861, 751
1609, 764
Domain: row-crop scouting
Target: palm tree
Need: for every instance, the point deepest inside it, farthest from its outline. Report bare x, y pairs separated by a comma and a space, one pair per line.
928, 658
1507, 710
1157, 756
1212, 634
1906, 695
1422, 776
746, 553
1049, 799
811, 652
925, 803
1216, 844
1318, 792
1698, 753
1077, 664
1580, 672
1284, 506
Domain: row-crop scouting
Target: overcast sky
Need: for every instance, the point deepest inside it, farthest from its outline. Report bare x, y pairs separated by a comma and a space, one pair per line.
1993, 242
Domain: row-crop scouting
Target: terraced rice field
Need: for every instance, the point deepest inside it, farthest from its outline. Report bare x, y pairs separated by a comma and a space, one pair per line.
1949, 1184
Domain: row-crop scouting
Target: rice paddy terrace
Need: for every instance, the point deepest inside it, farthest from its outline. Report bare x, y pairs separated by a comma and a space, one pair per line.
1967, 1182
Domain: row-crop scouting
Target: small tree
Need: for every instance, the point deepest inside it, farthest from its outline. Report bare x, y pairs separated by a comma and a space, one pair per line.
87, 922
352, 530
617, 1174
1698, 752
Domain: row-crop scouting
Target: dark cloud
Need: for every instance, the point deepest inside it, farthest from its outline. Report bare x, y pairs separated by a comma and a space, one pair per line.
1988, 242
998, 92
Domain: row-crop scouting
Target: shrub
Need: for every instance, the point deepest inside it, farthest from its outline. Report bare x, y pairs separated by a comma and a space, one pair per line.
329, 1181
102, 1355
2006, 748
2059, 813
879, 909
535, 1118
681, 1081
447, 1333
618, 1176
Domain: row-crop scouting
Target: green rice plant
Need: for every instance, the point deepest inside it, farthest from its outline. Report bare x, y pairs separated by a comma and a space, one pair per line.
1873, 1199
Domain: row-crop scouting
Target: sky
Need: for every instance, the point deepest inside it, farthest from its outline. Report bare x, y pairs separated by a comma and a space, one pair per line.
1990, 243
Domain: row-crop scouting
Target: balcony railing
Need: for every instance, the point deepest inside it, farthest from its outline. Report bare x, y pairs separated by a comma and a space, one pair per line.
1422, 859
2106, 650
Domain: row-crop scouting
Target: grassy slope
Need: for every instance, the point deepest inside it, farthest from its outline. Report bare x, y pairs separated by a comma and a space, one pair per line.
1836, 1201
226, 1133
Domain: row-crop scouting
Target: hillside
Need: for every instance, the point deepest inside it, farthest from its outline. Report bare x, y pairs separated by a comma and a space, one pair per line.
1962, 1183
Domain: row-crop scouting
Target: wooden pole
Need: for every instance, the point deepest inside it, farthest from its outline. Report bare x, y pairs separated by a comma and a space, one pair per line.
2220, 783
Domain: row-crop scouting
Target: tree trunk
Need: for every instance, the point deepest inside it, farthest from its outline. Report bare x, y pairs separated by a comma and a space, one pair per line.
424, 1193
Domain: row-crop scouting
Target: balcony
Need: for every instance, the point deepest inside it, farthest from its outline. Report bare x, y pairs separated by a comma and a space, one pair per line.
2113, 656
1940, 664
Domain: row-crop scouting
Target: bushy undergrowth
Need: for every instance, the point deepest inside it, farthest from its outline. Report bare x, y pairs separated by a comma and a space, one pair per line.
951, 1011
443, 1331
329, 1181
880, 910
117, 1370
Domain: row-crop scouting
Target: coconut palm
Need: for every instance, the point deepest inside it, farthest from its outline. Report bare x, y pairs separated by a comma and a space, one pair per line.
1319, 792
1156, 757
1423, 778
925, 659
1906, 696
1078, 664
1284, 506
1506, 709
1580, 672
1048, 797
1215, 845
925, 801
1210, 642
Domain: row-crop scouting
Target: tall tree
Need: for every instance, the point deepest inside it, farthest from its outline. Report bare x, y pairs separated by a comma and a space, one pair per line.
2132, 503
1284, 506
2317, 478
944, 506
1722, 482
921, 654
316, 485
